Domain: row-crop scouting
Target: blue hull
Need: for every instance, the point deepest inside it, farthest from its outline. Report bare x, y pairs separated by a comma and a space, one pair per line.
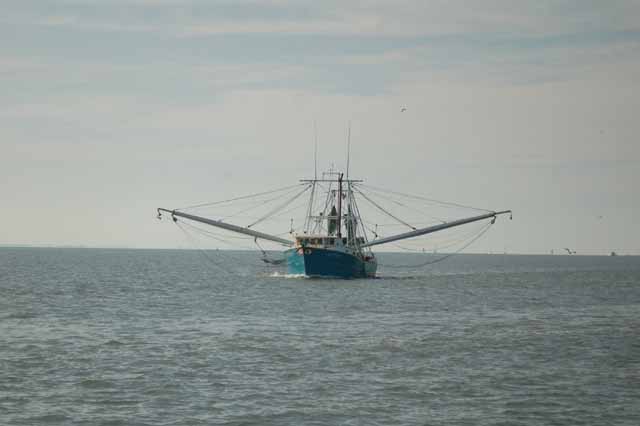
318, 262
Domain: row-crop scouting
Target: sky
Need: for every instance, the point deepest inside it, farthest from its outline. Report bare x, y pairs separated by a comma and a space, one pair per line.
111, 109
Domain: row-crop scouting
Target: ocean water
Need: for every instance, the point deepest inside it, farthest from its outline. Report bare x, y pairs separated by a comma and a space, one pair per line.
161, 337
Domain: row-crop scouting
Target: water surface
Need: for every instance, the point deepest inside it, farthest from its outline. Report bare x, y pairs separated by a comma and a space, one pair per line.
162, 337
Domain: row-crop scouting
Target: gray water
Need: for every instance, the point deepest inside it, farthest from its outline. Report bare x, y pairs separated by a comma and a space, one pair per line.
144, 337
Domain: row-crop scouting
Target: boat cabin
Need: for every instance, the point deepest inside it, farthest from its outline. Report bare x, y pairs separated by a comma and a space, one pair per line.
322, 241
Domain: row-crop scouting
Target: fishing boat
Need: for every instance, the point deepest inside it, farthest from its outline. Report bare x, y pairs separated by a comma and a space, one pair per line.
333, 241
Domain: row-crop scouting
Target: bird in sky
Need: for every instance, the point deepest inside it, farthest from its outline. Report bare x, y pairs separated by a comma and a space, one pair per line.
403, 109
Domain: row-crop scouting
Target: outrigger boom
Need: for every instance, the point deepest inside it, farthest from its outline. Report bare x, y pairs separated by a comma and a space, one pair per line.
434, 228
398, 237
227, 226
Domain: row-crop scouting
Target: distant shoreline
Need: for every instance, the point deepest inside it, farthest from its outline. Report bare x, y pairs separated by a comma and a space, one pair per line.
82, 247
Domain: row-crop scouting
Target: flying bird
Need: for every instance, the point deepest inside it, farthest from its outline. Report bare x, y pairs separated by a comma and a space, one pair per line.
569, 251
403, 109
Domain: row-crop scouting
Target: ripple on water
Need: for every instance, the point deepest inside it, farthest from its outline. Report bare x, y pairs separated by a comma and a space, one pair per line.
156, 337
96, 384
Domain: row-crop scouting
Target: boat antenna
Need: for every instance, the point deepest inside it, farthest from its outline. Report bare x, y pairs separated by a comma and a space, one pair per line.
348, 148
315, 150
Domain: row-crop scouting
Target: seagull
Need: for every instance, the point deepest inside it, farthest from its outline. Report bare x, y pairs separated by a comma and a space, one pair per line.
403, 109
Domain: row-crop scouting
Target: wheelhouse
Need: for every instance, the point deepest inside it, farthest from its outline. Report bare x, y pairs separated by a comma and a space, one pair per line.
322, 241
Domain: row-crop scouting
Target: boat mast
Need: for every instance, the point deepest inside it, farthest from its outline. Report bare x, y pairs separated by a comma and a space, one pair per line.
338, 223
307, 222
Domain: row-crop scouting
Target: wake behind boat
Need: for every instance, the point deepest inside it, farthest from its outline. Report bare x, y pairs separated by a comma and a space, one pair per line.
334, 240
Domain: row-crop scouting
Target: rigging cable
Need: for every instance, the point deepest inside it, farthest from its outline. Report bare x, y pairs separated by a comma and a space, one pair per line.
318, 226
443, 243
384, 211
209, 259
255, 206
386, 197
431, 262
265, 257
361, 224
201, 251
217, 237
280, 207
240, 198
445, 203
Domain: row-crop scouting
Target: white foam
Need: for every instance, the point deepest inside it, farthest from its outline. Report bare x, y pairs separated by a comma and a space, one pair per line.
281, 275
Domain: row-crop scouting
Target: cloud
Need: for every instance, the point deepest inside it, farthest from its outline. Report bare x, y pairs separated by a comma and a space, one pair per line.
408, 18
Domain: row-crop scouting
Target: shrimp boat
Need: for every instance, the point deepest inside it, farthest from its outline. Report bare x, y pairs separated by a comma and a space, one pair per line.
333, 242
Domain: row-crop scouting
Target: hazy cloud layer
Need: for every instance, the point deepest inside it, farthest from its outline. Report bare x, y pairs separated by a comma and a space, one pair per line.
131, 104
